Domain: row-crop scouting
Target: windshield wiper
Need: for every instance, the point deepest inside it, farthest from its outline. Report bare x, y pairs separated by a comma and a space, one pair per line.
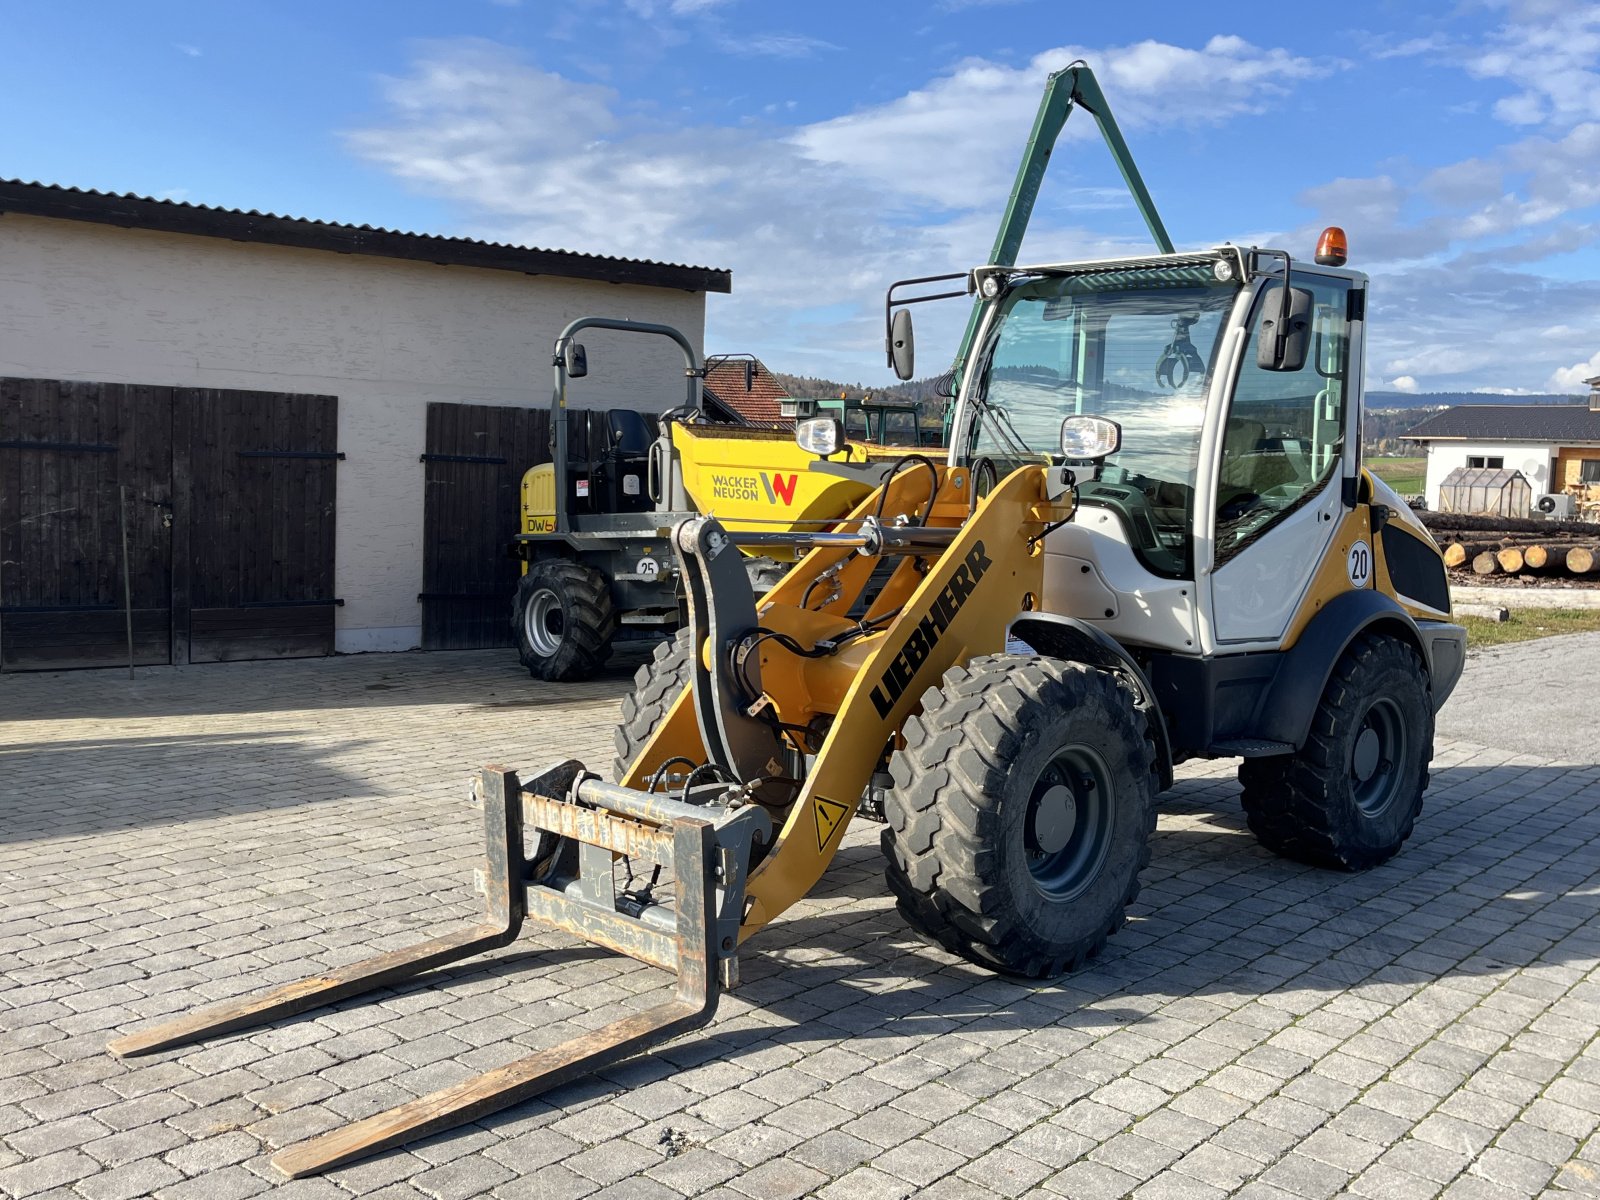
1004, 431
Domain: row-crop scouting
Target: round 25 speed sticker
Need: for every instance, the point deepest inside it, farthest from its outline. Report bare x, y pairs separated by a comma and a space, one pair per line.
1360, 565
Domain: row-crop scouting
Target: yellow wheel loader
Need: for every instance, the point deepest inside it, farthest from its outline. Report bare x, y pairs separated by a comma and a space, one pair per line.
1152, 540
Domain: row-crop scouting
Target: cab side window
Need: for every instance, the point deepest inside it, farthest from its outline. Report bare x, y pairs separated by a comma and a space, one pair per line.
1285, 431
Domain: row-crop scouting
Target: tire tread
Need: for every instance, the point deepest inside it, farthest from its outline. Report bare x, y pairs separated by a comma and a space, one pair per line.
942, 863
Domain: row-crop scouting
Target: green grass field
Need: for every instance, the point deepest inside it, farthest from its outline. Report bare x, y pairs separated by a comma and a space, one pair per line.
1404, 475
1528, 623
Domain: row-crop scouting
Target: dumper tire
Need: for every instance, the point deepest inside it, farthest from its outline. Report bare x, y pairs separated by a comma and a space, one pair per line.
1349, 798
1021, 813
563, 620
655, 686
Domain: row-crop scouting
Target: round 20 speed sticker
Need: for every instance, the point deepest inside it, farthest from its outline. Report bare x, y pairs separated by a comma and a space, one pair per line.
1360, 565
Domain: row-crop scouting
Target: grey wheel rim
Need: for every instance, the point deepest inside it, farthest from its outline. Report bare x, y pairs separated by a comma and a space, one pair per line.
543, 624
1070, 817
1377, 755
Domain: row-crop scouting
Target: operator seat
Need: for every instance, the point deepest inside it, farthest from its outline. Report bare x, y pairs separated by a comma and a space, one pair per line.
1252, 464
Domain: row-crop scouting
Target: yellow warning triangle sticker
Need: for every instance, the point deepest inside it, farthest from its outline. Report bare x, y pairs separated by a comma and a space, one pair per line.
829, 813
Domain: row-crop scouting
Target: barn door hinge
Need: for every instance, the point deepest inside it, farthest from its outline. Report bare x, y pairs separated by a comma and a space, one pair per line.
70, 447
338, 454
493, 460
337, 603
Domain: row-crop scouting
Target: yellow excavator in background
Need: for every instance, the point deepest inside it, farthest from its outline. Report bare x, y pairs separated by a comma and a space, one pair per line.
1152, 539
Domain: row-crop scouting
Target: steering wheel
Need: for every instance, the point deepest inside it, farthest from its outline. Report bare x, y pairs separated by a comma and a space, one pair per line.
1276, 498
1236, 507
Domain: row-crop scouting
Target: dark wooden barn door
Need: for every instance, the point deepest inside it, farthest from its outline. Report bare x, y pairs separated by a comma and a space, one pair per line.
75, 458
473, 461
230, 510
261, 472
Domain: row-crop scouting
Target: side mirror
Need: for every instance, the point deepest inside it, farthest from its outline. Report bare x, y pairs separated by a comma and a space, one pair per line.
902, 345
820, 435
575, 360
1283, 335
1089, 439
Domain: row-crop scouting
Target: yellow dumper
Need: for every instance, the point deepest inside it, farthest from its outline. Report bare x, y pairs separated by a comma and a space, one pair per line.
594, 539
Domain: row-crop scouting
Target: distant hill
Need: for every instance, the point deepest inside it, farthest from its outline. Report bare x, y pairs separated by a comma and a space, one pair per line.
1389, 415
809, 387
1449, 399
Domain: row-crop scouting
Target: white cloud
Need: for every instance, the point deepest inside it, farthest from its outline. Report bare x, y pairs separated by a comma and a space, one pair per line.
188, 51
1403, 383
908, 144
537, 158
772, 45
1571, 379
1549, 49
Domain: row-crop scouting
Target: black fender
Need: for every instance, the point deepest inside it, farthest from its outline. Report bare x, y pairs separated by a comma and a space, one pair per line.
1290, 702
1077, 641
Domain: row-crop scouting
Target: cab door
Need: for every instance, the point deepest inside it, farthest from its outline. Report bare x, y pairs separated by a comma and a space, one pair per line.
1288, 442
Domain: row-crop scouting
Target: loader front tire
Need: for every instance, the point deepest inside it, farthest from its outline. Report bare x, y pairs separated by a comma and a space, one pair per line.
655, 686
1349, 797
1021, 813
563, 620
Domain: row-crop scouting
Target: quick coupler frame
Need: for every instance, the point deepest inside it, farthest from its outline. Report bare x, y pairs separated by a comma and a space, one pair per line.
708, 853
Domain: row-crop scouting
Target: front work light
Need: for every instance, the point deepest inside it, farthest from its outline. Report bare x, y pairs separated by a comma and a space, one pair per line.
820, 435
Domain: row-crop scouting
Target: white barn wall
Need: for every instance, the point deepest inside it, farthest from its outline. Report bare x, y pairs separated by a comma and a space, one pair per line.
92, 302
1532, 459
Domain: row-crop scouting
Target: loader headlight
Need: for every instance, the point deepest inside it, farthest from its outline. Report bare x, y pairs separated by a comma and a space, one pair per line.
820, 435
1088, 439
990, 287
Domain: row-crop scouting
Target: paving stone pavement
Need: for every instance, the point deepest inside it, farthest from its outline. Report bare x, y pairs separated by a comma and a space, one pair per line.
1259, 1029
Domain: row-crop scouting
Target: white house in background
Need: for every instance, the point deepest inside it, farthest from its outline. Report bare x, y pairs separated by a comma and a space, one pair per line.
1555, 446
275, 398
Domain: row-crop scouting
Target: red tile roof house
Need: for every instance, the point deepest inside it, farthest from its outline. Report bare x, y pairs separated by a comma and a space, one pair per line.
724, 387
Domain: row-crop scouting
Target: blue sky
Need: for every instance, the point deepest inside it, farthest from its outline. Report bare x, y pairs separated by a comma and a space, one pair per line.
822, 150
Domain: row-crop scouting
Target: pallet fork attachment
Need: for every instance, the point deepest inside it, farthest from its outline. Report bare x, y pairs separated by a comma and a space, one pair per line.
707, 859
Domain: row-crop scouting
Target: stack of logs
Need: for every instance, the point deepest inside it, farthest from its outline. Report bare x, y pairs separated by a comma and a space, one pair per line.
1508, 546
1509, 556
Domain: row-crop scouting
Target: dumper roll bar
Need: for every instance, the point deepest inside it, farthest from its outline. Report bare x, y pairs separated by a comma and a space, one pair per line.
693, 371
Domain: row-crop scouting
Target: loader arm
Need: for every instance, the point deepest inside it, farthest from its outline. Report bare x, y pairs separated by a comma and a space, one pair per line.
1073, 87
939, 609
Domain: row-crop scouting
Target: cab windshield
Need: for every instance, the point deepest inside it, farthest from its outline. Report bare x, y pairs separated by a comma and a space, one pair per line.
1137, 346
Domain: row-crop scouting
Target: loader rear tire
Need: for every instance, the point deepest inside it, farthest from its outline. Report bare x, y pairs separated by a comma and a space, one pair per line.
655, 686
1021, 813
1348, 799
563, 620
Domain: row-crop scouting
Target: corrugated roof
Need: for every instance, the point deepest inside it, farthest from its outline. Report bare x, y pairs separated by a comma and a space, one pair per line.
172, 216
725, 382
1545, 423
